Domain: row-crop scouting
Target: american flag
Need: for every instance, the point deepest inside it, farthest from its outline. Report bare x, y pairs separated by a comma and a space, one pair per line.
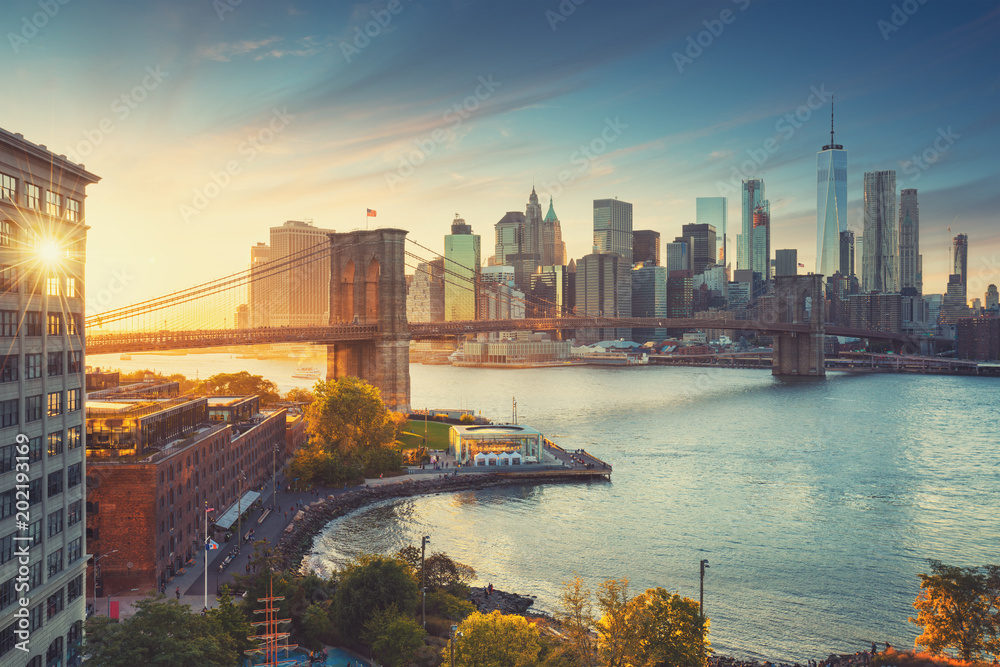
371, 213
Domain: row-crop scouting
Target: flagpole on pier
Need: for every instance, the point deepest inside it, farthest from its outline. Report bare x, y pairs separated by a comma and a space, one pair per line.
205, 554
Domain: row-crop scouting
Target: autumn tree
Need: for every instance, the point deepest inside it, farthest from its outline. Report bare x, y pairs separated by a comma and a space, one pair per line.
576, 613
240, 384
496, 640
348, 414
958, 608
616, 637
669, 630
393, 637
299, 395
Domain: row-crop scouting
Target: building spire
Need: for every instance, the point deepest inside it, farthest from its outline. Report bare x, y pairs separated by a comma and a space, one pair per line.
831, 119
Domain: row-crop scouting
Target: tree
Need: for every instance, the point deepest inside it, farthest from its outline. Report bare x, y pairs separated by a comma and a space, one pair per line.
616, 637
393, 637
443, 572
670, 630
496, 640
959, 608
241, 384
348, 414
299, 395
161, 633
576, 614
232, 623
315, 626
371, 584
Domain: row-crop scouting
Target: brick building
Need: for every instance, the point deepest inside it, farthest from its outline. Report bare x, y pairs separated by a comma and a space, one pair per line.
152, 467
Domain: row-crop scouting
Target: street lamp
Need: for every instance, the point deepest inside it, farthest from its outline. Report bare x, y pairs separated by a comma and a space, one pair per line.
97, 558
239, 510
701, 601
274, 478
423, 580
451, 642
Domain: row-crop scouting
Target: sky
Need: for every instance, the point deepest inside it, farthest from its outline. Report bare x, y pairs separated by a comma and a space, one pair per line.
210, 121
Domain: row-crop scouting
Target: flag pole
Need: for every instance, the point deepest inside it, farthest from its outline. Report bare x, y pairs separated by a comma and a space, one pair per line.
205, 554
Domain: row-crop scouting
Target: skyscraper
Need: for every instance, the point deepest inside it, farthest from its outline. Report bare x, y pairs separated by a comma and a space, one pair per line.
880, 265
753, 199
714, 211
646, 247
603, 289
43, 243
533, 241
960, 257
262, 289
679, 254
613, 228
786, 262
847, 254
992, 297
910, 261
760, 260
302, 293
649, 299
553, 252
703, 252
461, 272
831, 204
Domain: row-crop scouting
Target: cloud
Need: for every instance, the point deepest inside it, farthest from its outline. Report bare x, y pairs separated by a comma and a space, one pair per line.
259, 49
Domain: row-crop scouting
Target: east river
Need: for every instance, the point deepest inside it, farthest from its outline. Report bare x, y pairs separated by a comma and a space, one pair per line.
815, 503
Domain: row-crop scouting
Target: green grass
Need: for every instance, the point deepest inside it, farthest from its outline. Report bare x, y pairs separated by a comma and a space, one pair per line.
413, 435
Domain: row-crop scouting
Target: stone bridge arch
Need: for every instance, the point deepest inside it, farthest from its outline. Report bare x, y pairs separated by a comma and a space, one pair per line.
799, 300
368, 286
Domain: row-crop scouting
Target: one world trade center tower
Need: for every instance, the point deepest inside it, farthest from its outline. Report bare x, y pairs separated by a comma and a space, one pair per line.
831, 204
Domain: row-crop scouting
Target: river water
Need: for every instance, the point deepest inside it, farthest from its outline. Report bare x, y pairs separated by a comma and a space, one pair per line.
816, 503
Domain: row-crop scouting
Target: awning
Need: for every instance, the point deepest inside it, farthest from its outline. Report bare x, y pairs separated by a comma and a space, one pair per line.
229, 517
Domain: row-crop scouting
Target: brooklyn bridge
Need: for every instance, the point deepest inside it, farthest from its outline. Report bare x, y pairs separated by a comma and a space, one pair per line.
368, 334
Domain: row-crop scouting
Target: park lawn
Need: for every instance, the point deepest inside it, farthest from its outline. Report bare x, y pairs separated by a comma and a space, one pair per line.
413, 435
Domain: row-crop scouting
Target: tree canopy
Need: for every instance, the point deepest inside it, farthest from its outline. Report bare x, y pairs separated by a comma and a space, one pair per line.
369, 585
496, 640
240, 384
161, 633
958, 608
348, 414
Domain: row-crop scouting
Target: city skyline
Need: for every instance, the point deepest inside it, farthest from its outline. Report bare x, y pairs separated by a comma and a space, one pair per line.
318, 128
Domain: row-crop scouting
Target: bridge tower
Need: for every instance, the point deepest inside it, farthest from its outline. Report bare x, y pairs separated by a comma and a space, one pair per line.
799, 300
368, 286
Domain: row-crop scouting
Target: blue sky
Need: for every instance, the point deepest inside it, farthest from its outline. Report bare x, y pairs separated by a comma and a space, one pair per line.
237, 116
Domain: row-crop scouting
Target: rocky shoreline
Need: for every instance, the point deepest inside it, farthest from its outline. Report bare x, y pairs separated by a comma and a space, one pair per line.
297, 539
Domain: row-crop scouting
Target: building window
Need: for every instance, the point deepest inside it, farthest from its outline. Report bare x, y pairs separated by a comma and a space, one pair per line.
55, 483
73, 437
32, 196
74, 361
7, 596
55, 562
74, 475
72, 210
8, 187
8, 412
32, 323
53, 203
7, 458
8, 323
8, 368
35, 621
35, 533
35, 574
7, 503
55, 403
5, 233
55, 443
32, 366
72, 400
55, 363
55, 525
52, 286
72, 324
73, 513
35, 449
71, 292
74, 552
8, 279
55, 324
32, 408
35, 492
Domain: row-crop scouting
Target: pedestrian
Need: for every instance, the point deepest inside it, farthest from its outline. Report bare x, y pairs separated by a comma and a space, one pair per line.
874, 649
178, 592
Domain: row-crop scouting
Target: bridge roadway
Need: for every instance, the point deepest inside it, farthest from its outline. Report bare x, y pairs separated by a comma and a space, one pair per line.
118, 343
